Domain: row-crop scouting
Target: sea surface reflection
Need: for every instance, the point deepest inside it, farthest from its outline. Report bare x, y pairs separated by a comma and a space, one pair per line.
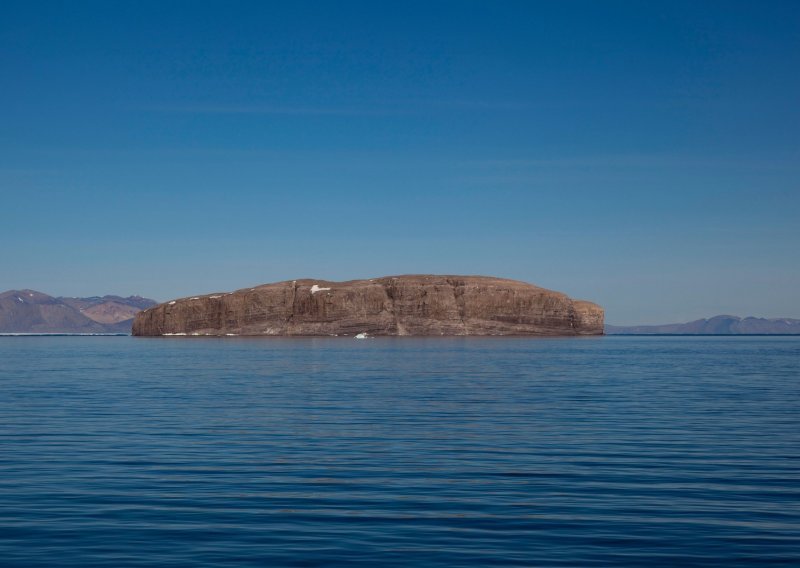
119, 451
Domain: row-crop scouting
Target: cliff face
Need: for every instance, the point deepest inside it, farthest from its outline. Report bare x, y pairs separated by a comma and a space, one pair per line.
401, 305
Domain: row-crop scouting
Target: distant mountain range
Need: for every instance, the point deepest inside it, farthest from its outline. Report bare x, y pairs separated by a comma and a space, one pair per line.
29, 311
718, 325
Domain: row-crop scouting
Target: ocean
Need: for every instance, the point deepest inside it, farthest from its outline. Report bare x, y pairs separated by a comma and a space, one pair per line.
605, 451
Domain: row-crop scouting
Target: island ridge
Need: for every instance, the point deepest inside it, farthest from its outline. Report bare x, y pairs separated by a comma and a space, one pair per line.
416, 305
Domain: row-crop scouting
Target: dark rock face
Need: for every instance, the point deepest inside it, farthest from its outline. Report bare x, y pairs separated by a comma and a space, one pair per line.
400, 305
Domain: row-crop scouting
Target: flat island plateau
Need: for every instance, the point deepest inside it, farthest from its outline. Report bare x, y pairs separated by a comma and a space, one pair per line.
416, 305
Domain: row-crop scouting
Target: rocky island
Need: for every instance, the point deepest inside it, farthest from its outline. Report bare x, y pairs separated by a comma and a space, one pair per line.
424, 305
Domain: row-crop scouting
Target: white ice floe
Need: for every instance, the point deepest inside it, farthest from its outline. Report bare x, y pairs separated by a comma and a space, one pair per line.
231, 334
171, 334
172, 303
315, 289
362, 335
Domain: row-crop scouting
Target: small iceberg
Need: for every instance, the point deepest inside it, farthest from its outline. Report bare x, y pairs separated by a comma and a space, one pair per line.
362, 335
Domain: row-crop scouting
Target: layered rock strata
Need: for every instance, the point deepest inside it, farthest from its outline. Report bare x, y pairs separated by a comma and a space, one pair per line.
395, 305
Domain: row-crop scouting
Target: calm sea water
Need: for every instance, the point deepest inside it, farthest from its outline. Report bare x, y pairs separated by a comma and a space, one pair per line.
118, 451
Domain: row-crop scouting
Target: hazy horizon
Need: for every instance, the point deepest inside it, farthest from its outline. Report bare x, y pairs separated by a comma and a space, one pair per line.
645, 157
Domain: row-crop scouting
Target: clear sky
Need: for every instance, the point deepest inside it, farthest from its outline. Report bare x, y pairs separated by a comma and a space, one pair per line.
643, 155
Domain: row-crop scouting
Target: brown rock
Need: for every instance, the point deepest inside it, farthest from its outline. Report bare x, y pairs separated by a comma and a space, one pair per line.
399, 305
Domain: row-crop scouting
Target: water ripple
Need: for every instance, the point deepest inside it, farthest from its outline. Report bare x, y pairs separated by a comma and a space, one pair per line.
440, 452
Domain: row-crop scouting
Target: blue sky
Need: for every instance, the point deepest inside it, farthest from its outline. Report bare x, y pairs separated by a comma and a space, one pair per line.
643, 155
